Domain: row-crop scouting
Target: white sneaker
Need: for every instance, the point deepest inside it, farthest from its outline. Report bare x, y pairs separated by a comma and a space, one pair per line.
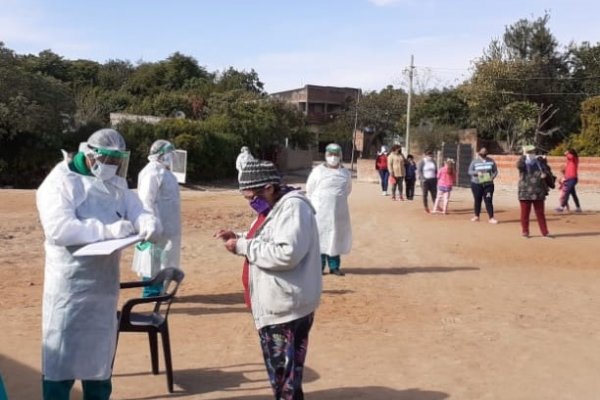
475, 219
384, 193
493, 221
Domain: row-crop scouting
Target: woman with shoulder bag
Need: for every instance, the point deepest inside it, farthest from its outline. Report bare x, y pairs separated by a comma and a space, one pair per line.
533, 190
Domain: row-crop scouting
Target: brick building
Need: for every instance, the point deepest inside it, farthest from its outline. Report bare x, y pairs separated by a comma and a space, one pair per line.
319, 104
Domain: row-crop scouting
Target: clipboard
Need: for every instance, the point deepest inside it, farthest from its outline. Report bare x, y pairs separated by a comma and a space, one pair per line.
106, 247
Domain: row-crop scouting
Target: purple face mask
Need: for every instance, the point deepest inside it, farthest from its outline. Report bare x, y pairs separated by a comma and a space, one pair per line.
260, 205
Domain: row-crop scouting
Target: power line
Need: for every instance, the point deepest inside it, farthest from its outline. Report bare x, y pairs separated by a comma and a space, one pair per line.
509, 92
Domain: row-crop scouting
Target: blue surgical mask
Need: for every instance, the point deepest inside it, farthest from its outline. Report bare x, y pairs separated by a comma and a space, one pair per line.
260, 205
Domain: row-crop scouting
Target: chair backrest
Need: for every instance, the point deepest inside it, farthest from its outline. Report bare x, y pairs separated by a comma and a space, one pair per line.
169, 278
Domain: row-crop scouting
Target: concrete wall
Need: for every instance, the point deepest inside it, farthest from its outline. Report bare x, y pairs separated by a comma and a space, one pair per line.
117, 118
290, 160
508, 175
365, 170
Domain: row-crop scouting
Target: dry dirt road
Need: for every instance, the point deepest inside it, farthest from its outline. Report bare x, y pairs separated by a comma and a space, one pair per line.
432, 307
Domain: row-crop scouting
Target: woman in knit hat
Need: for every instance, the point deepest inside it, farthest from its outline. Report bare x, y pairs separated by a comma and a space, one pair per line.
281, 274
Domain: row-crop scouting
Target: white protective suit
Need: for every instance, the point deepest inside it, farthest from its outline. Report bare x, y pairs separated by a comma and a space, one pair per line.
241, 160
79, 326
328, 190
159, 191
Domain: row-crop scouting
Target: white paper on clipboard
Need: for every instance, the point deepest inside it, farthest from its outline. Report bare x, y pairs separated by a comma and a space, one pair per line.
106, 247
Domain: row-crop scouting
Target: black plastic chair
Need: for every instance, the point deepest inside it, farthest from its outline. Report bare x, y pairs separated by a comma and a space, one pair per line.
155, 321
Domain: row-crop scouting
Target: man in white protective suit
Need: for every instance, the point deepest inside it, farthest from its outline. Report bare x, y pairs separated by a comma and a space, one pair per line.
328, 187
85, 199
242, 159
159, 191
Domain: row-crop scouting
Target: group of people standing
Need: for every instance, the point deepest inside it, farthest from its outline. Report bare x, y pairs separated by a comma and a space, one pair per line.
535, 181
394, 168
435, 183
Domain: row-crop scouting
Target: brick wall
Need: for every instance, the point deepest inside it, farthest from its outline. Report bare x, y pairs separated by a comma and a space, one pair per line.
508, 175
589, 171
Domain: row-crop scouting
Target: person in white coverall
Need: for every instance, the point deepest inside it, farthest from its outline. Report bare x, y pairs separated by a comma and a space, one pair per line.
328, 187
159, 191
85, 199
242, 159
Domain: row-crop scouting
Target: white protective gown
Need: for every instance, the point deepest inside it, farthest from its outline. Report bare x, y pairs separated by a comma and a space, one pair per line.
159, 191
79, 325
328, 190
241, 160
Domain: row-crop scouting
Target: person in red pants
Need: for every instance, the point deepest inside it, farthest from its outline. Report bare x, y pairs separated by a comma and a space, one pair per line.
532, 189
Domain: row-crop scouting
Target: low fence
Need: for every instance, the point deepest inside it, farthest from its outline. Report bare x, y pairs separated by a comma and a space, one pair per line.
588, 179
508, 175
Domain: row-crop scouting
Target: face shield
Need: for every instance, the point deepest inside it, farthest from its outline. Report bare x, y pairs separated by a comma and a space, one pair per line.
107, 163
161, 151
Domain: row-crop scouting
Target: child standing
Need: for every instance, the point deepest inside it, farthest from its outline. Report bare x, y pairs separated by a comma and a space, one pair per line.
564, 191
411, 176
445, 178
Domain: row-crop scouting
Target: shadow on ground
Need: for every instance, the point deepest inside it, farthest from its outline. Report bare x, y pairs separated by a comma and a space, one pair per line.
240, 379
407, 270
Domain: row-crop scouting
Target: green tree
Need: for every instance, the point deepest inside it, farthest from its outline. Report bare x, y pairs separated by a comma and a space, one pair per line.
525, 67
232, 79
114, 74
586, 143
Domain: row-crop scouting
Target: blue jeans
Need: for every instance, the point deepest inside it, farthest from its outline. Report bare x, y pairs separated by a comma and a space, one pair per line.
570, 191
384, 175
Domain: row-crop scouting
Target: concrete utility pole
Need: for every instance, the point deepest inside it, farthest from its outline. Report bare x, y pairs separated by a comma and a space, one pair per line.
354, 132
410, 86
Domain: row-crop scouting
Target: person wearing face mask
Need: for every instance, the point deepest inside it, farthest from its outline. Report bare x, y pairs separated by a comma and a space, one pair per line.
533, 189
85, 199
281, 272
381, 165
328, 187
159, 191
427, 172
483, 171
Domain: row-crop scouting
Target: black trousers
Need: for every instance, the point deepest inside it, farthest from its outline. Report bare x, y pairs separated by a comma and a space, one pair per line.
485, 193
429, 186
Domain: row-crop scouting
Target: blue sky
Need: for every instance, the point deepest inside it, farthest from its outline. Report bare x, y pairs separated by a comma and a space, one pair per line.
355, 43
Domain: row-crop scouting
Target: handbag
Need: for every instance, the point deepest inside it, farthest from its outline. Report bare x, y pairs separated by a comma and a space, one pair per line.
550, 180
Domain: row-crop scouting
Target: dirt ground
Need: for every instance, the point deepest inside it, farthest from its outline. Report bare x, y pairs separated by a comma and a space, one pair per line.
432, 307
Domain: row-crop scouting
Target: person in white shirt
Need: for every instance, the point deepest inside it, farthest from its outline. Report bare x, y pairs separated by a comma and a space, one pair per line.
427, 173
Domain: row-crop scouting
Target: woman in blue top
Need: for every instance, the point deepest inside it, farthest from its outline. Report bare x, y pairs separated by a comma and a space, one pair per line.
483, 171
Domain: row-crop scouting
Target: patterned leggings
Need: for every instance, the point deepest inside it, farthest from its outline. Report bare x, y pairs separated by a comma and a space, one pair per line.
284, 348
